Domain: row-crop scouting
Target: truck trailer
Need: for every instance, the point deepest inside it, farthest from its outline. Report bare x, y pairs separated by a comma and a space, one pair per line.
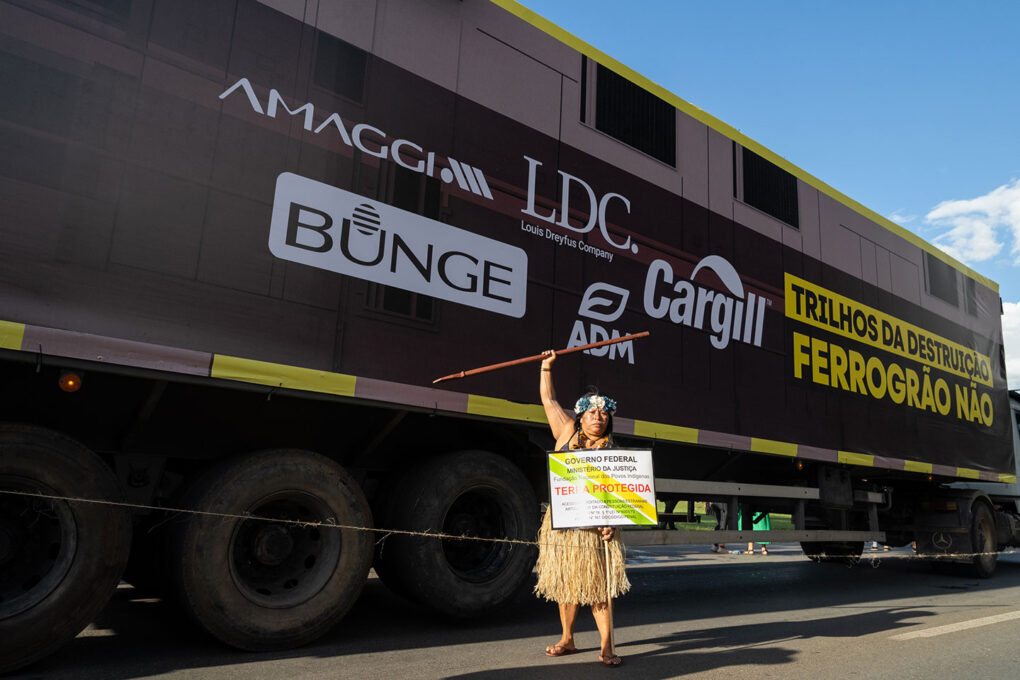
241, 238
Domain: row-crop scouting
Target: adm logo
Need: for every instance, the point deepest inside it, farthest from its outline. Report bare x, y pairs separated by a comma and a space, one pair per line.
322, 226
605, 303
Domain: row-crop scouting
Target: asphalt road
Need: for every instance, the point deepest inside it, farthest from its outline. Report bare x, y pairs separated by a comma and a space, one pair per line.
690, 614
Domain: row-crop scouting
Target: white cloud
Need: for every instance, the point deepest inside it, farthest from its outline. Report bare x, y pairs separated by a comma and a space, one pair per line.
970, 240
900, 217
979, 228
1011, 342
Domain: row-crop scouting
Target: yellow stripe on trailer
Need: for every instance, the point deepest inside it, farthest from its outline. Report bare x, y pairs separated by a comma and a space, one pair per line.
967, 473
501, 408
773, 447
280, 375
11, 335
851, 458
917, 466
674, 433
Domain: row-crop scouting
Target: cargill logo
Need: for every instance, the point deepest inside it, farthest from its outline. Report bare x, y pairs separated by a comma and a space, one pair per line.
322, 226
728, 317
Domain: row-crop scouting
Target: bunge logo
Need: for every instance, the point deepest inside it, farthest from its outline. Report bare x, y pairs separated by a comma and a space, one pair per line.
467, 177
730, 317
366, 219
322, 226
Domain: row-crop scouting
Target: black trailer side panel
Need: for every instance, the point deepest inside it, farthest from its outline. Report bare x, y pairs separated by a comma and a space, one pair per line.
194, 175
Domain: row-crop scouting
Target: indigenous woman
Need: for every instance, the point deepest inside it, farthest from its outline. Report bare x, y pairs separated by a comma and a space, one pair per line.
571, 562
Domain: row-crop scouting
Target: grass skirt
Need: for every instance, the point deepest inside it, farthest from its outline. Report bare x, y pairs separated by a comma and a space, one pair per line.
572, 566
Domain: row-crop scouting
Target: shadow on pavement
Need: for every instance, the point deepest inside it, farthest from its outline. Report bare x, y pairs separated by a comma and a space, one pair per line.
136, 637
714, 648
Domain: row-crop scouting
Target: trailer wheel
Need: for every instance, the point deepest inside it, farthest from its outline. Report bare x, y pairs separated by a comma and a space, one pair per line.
59, 561
833, 552
469, 493
983, 541
262, 585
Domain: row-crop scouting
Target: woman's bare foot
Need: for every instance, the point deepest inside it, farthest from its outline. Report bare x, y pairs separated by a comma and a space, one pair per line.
610, 660
560, 649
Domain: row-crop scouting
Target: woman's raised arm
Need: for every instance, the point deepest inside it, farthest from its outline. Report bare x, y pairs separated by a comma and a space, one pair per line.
560, 422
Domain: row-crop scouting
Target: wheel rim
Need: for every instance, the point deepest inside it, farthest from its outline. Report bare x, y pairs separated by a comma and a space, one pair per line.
481, 512
984, 542
280, 565
38, 541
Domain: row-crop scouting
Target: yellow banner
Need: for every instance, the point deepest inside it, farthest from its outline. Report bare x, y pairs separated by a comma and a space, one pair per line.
822, 308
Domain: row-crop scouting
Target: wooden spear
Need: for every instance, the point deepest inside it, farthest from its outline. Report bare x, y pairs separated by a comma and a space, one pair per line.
609, 603
539, 357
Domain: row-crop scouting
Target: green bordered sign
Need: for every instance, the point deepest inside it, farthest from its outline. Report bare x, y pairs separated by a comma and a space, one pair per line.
602, 488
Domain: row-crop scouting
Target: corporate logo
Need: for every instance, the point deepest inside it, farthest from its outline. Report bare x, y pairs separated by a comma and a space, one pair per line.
330, 228
322, 226
601, 305
369, 140
737, 316
727, 317
579, 208
593, 205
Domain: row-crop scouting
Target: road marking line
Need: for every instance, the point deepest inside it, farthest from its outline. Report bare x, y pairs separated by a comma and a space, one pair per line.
953, 627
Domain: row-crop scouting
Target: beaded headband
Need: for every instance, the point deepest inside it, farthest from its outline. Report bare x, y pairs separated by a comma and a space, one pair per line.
598, 401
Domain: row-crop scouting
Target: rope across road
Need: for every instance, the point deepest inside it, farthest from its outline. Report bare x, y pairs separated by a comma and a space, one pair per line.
873, 558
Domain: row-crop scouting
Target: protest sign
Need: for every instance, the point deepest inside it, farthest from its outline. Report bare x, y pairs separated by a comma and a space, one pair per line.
602, 488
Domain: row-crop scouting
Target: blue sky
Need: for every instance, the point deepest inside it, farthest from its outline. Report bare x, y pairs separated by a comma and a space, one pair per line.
911, 108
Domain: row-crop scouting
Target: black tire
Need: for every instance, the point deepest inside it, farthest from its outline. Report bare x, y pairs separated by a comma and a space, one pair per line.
59, 561
260, 585
833, 552
470, 493
983, 541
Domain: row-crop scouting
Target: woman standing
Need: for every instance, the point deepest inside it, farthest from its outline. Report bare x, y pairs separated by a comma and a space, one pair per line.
760, 522
571, 562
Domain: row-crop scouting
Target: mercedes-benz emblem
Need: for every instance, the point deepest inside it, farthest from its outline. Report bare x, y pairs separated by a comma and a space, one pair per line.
941, 541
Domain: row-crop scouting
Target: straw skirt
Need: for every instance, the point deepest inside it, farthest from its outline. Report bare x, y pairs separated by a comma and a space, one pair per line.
572, 566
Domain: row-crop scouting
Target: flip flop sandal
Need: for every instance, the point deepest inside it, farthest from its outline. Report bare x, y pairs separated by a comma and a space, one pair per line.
557, 650
610, 662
